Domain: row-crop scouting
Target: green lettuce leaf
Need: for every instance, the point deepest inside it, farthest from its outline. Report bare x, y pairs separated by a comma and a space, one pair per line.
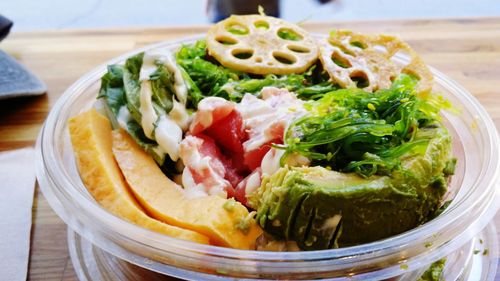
131, 73
113, 92
162, 87
112, 88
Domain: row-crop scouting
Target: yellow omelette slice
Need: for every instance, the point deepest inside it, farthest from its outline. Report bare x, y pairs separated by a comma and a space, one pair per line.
227, 222
91, 139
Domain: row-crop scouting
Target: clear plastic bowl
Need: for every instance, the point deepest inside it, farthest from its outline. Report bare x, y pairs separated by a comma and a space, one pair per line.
473, 189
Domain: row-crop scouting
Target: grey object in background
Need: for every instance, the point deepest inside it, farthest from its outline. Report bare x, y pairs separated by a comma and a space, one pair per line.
16, 80
221, 9
5, 26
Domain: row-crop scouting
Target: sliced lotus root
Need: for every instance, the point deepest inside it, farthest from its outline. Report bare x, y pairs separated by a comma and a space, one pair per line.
356, 60
261, 45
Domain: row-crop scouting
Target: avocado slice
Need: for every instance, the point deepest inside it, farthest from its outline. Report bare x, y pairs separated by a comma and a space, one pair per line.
321, 209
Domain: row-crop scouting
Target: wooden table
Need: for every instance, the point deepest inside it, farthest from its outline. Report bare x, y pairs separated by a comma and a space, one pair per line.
468, 50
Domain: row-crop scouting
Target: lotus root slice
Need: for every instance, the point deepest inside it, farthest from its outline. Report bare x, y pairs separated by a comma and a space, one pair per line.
367, 62
261, 45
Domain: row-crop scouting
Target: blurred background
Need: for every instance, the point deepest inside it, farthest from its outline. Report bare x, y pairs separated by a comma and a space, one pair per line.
30, 15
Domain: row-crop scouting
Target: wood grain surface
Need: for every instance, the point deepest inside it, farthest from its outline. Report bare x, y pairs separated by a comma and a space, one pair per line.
467, 50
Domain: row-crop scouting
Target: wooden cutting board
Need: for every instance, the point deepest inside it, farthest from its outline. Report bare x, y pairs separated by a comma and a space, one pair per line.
467, 50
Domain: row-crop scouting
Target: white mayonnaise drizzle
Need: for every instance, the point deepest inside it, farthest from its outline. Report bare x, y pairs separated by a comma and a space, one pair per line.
165, 57
271, 161
168, 135
180, 87
123, 117
253, 183
148, 113
180, 116
166, 130
149, 64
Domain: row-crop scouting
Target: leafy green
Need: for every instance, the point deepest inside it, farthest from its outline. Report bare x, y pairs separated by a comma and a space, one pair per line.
162, 87
206, 75
131, 72
207, 78
150, 146
112, 88
315, 91
194, 93
113, 92
301, 84
351, 130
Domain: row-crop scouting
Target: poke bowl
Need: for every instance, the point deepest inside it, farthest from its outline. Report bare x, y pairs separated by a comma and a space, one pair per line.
472, 192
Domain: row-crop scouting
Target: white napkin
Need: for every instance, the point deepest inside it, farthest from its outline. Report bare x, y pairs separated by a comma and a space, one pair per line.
17, 183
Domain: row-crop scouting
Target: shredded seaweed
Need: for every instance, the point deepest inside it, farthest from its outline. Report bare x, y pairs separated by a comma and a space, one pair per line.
351, 130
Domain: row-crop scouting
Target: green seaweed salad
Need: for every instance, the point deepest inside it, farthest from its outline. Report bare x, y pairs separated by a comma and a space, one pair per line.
379, 162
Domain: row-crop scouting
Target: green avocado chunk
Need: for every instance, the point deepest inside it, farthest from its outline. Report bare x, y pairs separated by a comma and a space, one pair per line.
322, 209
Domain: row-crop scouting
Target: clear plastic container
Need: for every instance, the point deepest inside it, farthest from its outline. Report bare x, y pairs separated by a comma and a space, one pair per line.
473, 189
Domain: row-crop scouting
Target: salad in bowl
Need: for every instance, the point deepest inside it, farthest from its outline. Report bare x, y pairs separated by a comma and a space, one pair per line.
262, 136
